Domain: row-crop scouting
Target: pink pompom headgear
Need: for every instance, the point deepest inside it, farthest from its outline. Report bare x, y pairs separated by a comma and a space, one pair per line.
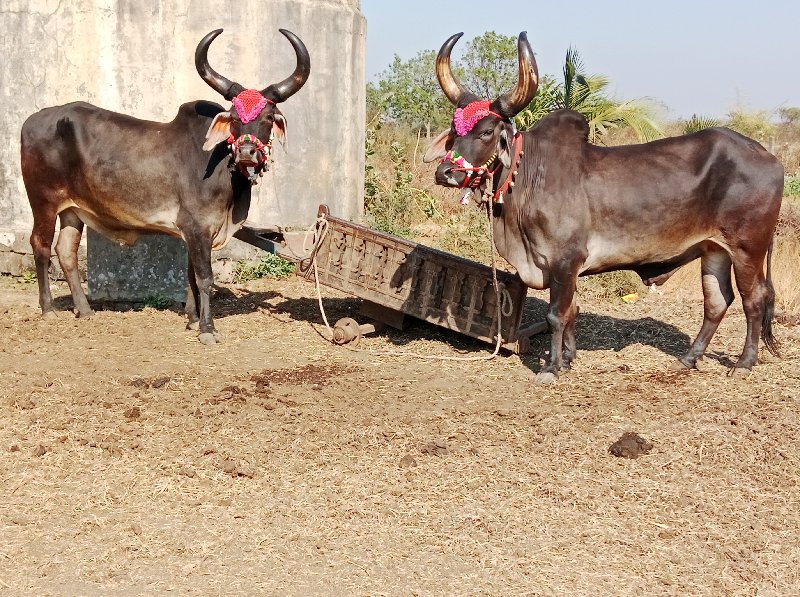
249, 104
468, 116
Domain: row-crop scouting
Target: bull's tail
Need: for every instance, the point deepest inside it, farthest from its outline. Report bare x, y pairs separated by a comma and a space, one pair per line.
767, 336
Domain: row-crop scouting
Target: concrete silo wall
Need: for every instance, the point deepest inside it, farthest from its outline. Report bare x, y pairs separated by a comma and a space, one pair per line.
137, 57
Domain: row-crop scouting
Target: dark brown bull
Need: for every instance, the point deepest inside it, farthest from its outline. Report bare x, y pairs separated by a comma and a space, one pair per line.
565, 208
126, 177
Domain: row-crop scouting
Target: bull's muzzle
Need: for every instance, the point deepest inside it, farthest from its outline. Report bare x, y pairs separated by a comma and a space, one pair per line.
448, 177
250, 155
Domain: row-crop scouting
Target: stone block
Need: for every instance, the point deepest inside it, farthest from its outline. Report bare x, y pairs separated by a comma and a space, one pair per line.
156, 266
16, 255
15, 264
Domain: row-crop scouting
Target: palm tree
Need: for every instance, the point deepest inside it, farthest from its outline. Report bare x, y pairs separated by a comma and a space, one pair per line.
698, 123
587, 94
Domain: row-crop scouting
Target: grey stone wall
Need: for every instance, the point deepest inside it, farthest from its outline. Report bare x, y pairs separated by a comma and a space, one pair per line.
137, 57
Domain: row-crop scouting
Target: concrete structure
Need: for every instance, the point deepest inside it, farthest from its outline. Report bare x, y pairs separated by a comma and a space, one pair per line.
154, 268
137, 57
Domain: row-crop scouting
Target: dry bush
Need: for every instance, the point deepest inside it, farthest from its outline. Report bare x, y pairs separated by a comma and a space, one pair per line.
403, 199
610, 286
789, 155
785, 263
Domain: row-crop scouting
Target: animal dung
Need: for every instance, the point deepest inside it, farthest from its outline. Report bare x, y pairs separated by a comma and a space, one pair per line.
630, 445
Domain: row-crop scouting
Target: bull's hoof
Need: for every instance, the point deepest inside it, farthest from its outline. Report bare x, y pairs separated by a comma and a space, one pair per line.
88, 314
193, 325
49, 315
207, 338
739, 371
546, 378
678, 365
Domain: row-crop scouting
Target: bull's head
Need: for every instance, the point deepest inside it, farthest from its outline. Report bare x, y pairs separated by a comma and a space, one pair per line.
254, 118
481, 134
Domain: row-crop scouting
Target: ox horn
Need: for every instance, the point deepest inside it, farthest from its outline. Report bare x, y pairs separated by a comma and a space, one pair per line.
225, 87
282, 91
510, 104
452, 88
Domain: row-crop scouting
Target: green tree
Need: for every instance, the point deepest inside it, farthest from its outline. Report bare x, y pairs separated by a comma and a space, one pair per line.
409, 93
489, 65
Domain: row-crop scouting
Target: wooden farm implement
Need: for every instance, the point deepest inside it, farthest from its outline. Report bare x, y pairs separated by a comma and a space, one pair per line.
397, 278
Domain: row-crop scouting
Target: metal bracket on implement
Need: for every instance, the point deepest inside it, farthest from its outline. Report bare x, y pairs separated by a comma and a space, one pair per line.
277, 241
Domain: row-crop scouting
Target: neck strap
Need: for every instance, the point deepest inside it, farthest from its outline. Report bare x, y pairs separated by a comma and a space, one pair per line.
508, 181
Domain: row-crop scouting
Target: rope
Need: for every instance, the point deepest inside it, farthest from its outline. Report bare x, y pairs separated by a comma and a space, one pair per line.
503, 298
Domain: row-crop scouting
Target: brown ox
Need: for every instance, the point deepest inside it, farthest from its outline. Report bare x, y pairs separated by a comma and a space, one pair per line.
126, 177
566, 208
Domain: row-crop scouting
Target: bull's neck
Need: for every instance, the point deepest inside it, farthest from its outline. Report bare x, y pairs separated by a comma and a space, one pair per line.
505, 179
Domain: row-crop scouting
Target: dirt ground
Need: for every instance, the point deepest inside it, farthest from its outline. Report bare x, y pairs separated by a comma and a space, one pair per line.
136, 461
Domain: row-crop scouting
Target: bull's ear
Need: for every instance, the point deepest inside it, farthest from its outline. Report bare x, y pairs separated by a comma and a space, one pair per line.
279, 128
438, 147
219, 130
504, 147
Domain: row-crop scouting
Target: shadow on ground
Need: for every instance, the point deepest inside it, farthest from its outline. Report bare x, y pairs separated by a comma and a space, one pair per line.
594, 331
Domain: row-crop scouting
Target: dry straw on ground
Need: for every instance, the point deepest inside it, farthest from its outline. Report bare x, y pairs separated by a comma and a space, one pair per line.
135, 461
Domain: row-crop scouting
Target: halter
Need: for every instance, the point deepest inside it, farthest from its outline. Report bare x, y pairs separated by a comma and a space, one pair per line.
464, 121
249, 104
473, 176
264, 151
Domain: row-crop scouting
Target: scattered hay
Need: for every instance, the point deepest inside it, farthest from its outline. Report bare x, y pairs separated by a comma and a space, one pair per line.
310, 469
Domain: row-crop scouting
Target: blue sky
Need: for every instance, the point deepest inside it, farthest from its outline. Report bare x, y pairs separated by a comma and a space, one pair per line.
703, 57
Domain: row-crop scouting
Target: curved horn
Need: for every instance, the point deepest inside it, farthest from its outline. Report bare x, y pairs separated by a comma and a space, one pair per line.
225, 87
451, 87
282, 91
510, 104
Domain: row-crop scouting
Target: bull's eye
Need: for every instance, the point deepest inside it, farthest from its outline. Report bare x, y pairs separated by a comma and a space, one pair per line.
487, 133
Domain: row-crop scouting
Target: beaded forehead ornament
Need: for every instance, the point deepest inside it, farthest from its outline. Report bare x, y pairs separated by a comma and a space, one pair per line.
468, 116
249, 104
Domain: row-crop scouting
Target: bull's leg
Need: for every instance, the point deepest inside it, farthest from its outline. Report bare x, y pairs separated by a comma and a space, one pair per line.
559, 317
755, 293
199, 250
715, 268
69, 239
192, 300
570, 343
44, 229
